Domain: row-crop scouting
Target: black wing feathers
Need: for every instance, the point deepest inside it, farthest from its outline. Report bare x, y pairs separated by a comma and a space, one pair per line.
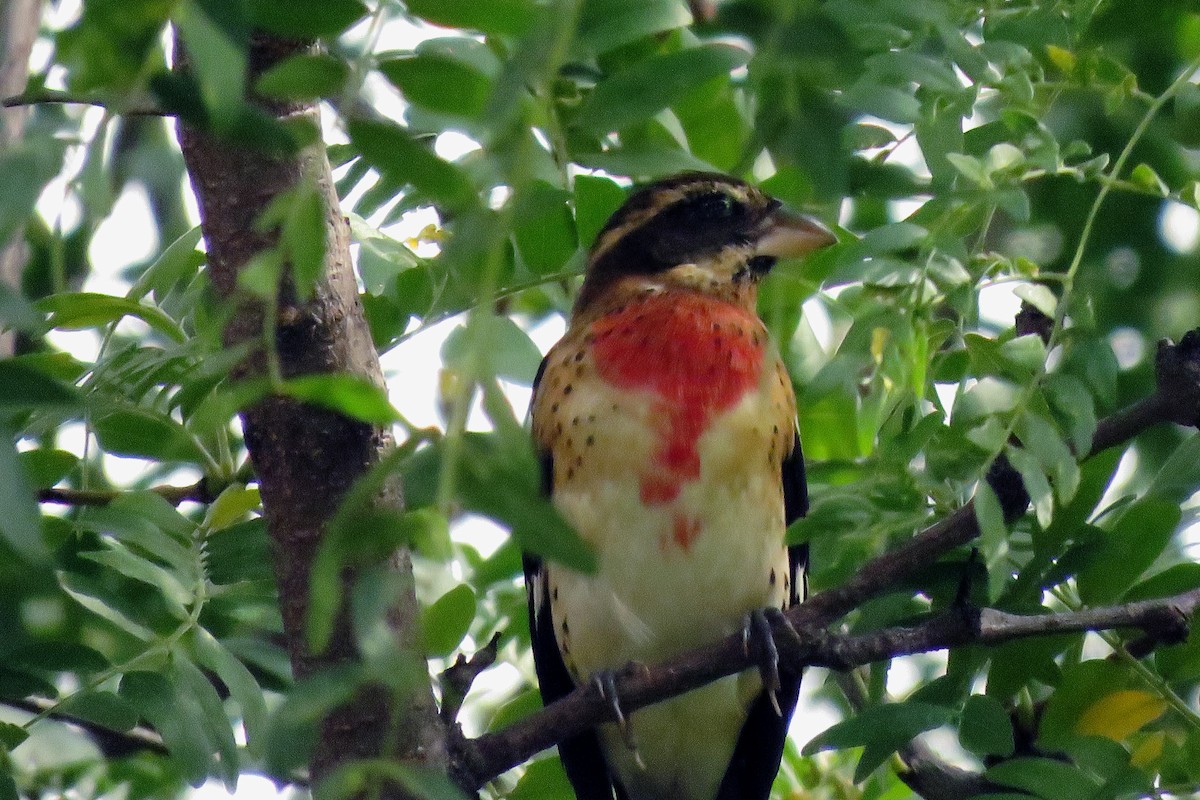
795, 506
759, 748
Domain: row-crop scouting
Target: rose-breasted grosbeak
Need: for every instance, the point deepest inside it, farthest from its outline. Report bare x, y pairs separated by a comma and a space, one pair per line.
666, 423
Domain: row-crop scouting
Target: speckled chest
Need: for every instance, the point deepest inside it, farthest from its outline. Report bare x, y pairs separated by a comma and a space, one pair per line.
637, 387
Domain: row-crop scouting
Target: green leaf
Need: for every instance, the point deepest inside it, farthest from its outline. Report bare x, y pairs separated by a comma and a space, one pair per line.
1042, 439
1072, 400
90, 597
651, 85
21, 522
203, 705
543, 778
544, 229
344, 546
176, 716
988, 396
1036, 483
306, 76
103, 708
1026, 353
146, 521
986, 729
109, 46
883, 728
240, 553
1168, 583
596, 198
643, 161
80, 310
1078, 687
145, 434
10, 736
881, 100
355, 397
234, 502
503, 17
216, 41
1180, 475
503, 346
398, 158
1044, 777
1038, 296
304, 235
178, 262
993, 536
447, 621
139, 569
429, 533
1143, 175
295, 723
1136, 540
242, 686
605, 25
24, 386
499, 478
303, 19
439, 83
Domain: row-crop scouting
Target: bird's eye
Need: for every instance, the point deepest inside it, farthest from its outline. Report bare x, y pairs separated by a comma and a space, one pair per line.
713, 207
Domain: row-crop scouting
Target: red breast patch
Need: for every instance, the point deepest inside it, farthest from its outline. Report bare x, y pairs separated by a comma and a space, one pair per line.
698, 355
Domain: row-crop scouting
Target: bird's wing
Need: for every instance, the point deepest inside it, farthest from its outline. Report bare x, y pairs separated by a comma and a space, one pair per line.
581, 756
760, 744
795, 506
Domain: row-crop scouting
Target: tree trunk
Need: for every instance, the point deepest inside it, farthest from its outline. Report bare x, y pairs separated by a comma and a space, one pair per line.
19, 20
306, 458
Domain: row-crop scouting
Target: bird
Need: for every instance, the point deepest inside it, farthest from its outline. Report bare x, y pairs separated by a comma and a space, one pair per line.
665, 425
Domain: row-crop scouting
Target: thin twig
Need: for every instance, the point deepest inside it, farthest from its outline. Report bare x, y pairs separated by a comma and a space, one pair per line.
52, 97
198, 492
112, 743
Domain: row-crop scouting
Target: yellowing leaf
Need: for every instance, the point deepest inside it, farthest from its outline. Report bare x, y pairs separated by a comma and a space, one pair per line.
1149, 751
879, 340
1061, 58
1119, 714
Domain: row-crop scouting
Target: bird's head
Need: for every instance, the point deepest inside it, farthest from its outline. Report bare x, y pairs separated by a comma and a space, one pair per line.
702, 231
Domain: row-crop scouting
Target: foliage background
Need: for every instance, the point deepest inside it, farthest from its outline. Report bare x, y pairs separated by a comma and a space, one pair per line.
963, 148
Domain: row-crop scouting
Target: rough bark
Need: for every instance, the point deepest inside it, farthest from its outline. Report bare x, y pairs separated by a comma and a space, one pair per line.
19, 20
305, 458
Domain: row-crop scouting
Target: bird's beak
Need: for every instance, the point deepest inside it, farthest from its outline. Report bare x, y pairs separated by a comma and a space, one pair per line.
788, 235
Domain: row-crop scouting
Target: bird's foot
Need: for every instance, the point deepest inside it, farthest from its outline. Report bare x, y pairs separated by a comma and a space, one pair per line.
606, 684
758, 640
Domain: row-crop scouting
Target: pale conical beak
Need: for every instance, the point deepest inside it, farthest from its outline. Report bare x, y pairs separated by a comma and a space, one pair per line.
788, 235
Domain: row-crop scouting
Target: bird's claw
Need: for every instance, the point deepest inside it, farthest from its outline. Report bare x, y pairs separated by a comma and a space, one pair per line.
606, 685
758, 639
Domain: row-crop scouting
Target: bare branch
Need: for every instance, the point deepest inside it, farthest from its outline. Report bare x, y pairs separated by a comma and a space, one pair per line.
198, 492
492, 754
112, 744
52, 97
456, 680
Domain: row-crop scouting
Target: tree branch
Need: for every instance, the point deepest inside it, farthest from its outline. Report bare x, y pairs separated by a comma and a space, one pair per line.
112, 744
43, 97
198, 492
492, 754
1176, 399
